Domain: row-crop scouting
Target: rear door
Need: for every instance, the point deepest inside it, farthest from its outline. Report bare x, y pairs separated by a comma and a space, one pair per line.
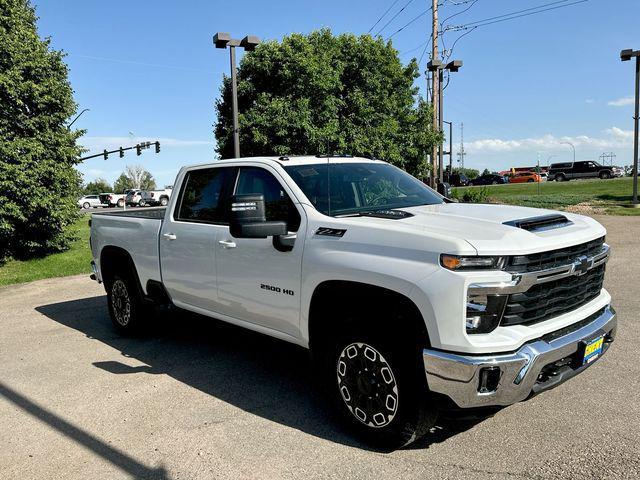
188, 238
580, 169
258, 281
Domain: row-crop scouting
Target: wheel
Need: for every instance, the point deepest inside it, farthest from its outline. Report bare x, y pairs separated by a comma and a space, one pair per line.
142, 203
560, 177
86, 205
377, 383
164, 201
605, 175
495, 182
530, 180
120, 203
125, 303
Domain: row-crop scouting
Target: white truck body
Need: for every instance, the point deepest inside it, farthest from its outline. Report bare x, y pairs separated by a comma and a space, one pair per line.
248, 282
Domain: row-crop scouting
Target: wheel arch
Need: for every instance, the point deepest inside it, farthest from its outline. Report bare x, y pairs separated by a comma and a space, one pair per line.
115, 259
337, 293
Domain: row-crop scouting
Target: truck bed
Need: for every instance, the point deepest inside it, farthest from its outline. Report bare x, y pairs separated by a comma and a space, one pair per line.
151, 213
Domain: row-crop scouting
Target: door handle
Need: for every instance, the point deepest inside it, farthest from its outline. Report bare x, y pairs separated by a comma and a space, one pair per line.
169, 236
227, 243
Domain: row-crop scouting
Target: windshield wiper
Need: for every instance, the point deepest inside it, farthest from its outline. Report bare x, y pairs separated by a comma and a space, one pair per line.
383, 213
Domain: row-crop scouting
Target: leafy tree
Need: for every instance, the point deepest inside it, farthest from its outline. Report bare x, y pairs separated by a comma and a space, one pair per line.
134, 177
38, 182
470, 173
486, 171
320, 93
99, 185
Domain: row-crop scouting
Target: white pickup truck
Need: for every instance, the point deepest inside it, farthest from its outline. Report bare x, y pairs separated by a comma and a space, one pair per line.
409, 303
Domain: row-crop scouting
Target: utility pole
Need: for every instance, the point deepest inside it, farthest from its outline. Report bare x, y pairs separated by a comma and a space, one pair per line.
450, 152
435, 90
625, 56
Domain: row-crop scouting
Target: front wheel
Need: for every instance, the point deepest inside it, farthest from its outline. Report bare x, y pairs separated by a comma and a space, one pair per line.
120, 203
378, 387
605, 175
86, 205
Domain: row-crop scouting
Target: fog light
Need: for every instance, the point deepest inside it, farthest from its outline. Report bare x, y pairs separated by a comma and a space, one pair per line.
484, 312
489, 379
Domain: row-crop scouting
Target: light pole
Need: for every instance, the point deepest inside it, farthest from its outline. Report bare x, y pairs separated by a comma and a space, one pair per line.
626, 55
437, 68
549, 159
77, 117
574, 149
224, 40
450, 153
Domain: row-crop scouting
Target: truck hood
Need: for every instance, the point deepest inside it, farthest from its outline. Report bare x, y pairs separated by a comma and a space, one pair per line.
485, 228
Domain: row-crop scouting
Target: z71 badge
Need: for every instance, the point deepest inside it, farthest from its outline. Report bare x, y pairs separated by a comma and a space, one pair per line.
275, 289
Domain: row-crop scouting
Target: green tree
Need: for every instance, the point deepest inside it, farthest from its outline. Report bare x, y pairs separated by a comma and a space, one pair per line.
134, 177
470, 173
38, 182
320, 93
486, 171
99, 185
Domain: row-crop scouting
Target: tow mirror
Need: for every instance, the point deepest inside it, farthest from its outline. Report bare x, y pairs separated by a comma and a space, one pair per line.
247, 218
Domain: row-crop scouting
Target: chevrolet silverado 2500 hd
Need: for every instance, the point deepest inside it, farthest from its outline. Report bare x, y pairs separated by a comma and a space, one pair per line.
407, 300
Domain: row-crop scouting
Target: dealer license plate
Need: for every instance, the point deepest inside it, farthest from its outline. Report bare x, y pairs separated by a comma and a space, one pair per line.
592, 350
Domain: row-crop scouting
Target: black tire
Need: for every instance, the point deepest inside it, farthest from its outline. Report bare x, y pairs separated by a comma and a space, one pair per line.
126, 307
164, 201
142, 203
86, 205
605, 175
408, 410
530, 180
560, 177
120, 203
495, 182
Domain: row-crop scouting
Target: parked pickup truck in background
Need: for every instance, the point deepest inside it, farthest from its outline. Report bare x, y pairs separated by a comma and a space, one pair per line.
153, 198
409, 303
113, 199
561, 172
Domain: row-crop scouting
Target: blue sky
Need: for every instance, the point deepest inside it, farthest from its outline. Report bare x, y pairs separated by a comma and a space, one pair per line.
148, 70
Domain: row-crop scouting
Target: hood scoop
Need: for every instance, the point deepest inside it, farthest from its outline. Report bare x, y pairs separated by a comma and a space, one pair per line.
538, 224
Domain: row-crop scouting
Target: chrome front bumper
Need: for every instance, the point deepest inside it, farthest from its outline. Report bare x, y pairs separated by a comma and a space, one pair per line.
537, 366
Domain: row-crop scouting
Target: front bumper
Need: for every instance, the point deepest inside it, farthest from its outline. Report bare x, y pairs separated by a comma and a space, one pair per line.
537, 366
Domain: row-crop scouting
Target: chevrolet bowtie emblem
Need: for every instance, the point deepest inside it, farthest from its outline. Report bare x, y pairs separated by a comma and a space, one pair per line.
581, 265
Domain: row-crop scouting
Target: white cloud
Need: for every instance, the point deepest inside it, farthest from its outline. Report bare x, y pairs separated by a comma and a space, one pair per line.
614, 138
111, 143
621, 102
590, 100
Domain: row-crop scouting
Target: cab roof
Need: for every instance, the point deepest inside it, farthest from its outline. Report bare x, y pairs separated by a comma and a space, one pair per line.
286, 161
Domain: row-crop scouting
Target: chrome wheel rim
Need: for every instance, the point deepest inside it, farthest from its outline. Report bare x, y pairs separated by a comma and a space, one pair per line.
121, 302
367, 385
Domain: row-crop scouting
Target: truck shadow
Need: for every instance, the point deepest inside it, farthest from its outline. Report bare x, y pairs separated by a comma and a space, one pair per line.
256, 373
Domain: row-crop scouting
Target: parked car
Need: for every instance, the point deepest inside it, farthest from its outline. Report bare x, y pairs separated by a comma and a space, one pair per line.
408, 302
489, 179
155, 197
543, 176
457, 180
90, 201
113, 199
525, 177
561, 172
133, 198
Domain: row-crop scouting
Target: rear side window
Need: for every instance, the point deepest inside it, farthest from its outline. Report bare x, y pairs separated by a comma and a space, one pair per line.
278, 205
202, 196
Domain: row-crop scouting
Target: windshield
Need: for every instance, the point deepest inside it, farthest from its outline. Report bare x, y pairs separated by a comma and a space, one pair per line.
351, 188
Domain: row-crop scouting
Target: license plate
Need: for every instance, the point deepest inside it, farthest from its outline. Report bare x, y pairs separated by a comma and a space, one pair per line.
592, 350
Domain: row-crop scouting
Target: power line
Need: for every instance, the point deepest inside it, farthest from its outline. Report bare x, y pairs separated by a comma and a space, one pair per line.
394, 17
383, 15
513, 15
408, 23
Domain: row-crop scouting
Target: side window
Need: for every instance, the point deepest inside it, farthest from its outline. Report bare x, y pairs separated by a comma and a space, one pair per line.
278, 205
202, 196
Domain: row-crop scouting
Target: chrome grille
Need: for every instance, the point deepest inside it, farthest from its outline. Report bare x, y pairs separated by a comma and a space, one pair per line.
550, 299
553, 258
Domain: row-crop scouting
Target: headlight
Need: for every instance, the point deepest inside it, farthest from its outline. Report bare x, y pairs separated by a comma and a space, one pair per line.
456, 262
484, 312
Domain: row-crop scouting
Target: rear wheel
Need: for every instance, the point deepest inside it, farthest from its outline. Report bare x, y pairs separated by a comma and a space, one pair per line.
560, 177
376, 381
164, 201
495, 182
126, 306
530, 180
86, 205
605, 175
121, 203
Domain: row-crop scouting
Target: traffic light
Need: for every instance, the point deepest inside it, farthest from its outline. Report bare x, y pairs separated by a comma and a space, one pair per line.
157, 147
105, 154
121, 152
138, 149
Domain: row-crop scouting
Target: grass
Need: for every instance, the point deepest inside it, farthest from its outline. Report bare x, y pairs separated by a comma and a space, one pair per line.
74, 261
600, 196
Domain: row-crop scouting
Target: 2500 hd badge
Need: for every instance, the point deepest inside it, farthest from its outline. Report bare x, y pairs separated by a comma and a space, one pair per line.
275, 289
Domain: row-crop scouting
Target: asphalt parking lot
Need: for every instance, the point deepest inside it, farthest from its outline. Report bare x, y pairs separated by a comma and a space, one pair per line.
197, 399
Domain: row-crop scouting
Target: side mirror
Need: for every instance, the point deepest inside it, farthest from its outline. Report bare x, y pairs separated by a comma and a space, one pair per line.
247, 218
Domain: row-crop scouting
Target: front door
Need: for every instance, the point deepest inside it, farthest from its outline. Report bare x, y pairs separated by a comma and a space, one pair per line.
188, 238
258, 281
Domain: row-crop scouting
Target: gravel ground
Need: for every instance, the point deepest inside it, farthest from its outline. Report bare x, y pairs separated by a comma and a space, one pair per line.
201, 400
